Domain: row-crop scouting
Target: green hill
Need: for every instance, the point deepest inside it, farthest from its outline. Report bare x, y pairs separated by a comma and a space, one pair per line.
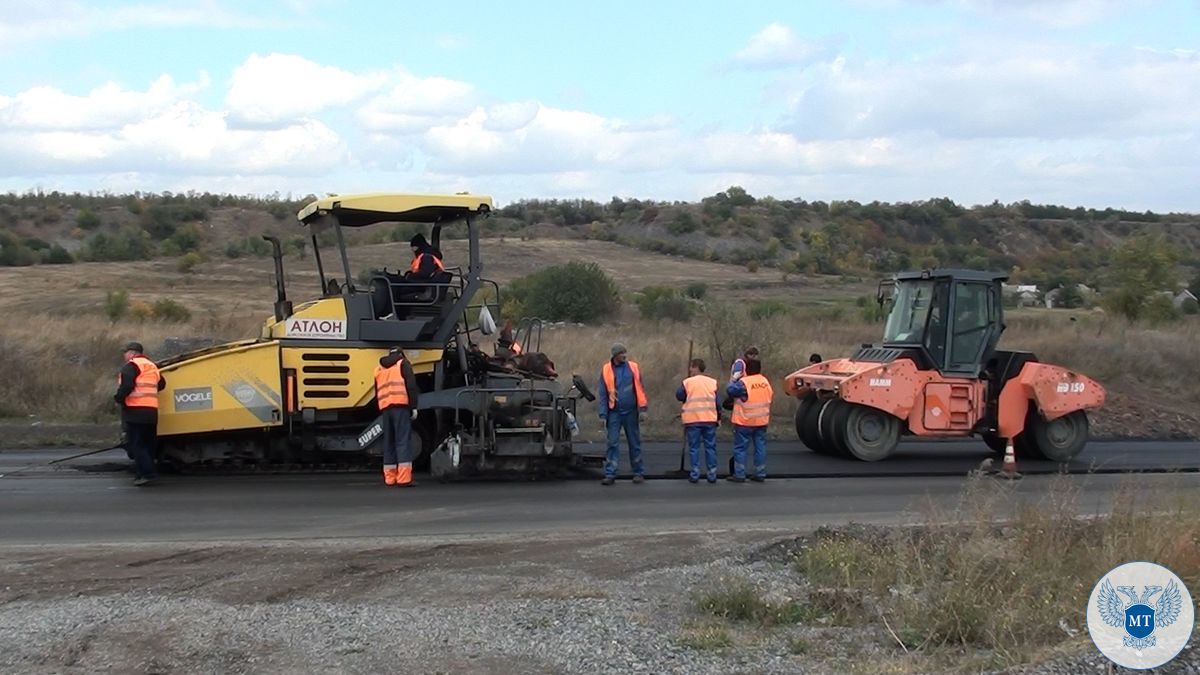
1044, 244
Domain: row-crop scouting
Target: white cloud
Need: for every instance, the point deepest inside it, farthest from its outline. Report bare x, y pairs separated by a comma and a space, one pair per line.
184, 138
280, 87
106, 107
414, 104
1051, 93
778, 45
29, 22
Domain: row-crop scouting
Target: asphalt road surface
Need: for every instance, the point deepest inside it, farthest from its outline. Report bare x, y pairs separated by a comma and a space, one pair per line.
64, 505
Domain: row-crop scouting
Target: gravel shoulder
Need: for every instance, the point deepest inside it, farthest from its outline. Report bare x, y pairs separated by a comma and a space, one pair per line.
578, 603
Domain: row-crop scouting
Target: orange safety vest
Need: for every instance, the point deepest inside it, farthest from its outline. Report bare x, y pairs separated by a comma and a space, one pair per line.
701, 404
755, 411
610, 383
145, 385
390, 388
416, 262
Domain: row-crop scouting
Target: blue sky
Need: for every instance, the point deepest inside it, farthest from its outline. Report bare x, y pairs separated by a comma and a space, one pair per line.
1079, 102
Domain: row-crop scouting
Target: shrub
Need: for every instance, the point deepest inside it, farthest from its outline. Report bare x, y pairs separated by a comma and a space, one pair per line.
766, 309
167, 309
1190, 307
141, 311
127, 244
57, 255
1159, 309
696, 290
116, 304
576, 291
662, 302
752, 266
13, 253
188, 262
87, 220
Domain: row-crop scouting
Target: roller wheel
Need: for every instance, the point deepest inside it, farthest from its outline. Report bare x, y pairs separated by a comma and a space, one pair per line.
1060, 440
832, 427
809, 433
805, 402
868, 434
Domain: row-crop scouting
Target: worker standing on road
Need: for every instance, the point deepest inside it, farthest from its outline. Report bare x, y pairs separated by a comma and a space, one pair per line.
622, 406
752, 397
138, 385
700, 415
396, 393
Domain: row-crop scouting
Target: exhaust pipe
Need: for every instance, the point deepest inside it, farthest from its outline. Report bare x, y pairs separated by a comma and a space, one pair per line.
283, 307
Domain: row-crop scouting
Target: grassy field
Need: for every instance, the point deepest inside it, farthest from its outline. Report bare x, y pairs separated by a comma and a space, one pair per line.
59, 350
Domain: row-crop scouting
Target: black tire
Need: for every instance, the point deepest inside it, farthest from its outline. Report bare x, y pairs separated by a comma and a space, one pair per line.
1060, 440
809, 433
868, 434
806, 402
832, 427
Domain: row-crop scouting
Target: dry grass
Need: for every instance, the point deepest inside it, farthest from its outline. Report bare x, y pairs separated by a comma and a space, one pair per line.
962, 583
60, 353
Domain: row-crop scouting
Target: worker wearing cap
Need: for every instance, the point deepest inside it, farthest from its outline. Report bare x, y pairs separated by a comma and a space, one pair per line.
700, 415
622, 400
752, 396
138, 385
396, 394
426, 262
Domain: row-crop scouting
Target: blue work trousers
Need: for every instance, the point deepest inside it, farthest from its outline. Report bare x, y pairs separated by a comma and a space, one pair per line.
742, 437
397, 436
633, 436
696, 434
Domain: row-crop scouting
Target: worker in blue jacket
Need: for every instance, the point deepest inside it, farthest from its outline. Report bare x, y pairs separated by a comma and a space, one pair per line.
623, 405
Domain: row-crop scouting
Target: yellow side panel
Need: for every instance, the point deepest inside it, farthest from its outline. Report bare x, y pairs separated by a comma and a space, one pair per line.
323, 319
238, 388
331, 378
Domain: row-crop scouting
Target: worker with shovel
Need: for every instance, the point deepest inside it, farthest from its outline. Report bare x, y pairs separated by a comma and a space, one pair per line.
700, 415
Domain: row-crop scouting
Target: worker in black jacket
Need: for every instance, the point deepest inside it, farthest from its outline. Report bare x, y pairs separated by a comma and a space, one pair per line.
138, 385
396, 393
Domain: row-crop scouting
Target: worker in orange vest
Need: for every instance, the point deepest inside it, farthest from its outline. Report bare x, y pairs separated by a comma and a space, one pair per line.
701, 414
138, 385
752, 396
622, 400
427, 260
396, 394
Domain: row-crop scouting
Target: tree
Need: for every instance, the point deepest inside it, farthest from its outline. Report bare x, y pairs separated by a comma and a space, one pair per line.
1195, 287
1140, 267
1069, 297
577, 291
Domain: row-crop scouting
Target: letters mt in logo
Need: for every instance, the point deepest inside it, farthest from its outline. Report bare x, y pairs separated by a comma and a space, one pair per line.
1136, 615
1140, 615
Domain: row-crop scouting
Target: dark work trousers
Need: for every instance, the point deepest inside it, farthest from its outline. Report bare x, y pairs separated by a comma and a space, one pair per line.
397, 431
140, 441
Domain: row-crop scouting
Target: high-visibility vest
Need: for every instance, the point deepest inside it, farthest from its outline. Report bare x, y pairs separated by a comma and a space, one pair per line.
390, 388
416, 262
755, 411
701, 404
610, 383
145, 385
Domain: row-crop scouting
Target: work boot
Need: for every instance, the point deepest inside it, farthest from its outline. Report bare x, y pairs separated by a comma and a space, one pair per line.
735, 479
639, 479
758, 479
608, 480
693, 479
140, 481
